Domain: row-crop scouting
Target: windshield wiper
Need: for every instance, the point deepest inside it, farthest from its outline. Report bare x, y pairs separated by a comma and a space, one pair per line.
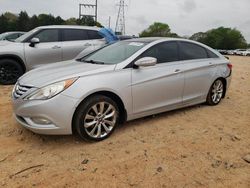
93, 62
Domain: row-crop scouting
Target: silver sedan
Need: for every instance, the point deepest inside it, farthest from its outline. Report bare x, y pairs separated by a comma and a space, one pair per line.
121, 82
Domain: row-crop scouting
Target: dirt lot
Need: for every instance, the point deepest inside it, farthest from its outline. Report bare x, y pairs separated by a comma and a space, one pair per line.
199, 146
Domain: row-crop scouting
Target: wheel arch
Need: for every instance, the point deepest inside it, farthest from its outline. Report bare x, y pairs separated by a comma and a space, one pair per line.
16, 58
224, 80
111, 95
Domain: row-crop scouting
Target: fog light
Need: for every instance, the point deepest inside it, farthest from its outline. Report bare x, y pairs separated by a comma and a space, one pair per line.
41, 121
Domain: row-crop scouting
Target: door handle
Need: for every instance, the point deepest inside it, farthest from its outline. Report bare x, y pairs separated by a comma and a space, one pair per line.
211, 64
177, 71
56, 47
87, 45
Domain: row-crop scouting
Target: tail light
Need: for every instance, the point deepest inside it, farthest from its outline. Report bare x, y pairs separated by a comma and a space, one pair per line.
230, 66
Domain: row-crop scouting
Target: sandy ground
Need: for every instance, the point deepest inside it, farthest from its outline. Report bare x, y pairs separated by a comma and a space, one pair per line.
200, 146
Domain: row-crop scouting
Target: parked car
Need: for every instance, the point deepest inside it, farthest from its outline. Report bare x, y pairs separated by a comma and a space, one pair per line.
223, 52
11, 36
239, 51
246, 52
230, 52
42, 46
123, 81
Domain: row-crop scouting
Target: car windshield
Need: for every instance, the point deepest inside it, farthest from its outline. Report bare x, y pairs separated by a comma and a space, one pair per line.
115, 53
26, 35
2, 36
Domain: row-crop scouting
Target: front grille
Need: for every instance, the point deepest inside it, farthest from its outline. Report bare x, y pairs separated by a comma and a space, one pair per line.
20, 90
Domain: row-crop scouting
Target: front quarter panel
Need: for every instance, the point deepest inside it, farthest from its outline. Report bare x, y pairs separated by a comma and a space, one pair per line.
12, 49
117, 82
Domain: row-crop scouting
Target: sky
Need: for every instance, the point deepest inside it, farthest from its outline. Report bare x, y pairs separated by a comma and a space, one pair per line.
185, 17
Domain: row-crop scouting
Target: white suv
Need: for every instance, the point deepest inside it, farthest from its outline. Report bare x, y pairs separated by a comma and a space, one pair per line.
246, 52
44, 45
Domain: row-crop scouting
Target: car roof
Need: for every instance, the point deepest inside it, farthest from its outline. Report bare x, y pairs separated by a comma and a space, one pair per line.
159, 39
166, 39
69, 27
13, 32
145, 40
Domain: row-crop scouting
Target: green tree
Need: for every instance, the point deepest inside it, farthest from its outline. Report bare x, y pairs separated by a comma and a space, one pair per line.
23, 21
34, 22
158, 30
86, 20
46, 19
98, 24
3, 24
59, 21
200, 36
10, 16
12, 21
71, 21
222, 38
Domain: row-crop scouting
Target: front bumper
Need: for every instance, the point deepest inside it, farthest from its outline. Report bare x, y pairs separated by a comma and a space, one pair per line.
58, 110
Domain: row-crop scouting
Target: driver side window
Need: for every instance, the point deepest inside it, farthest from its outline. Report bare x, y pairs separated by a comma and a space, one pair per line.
164, 52
49, 35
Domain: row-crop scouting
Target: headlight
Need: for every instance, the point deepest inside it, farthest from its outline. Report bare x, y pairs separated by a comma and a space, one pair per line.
51, 90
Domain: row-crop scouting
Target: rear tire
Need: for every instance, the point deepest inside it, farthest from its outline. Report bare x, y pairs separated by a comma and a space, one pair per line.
216, 93
96, 118
10, 71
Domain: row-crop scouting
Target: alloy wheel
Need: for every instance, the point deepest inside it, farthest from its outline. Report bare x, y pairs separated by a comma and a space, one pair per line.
100, 120
217, 91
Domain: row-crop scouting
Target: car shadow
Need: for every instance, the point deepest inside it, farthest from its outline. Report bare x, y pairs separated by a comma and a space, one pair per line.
157, 117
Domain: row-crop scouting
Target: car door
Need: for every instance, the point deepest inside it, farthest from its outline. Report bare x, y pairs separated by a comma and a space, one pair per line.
48, 50
158, 87
75, 41
199, 70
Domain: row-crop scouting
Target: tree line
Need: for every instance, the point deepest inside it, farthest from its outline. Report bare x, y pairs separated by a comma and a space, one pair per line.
23, 22
218, 38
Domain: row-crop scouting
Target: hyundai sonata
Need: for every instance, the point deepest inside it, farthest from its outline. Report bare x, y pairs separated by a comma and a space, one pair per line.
120, 82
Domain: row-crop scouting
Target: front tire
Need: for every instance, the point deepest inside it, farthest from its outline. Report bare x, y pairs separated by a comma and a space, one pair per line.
10, 71
216, 92
96, 118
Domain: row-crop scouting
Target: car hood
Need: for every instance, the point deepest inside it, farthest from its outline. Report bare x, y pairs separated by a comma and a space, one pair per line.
5, 43
56, 72
7, 47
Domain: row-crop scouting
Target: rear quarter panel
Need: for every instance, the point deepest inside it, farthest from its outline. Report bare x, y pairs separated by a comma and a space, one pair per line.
222, 71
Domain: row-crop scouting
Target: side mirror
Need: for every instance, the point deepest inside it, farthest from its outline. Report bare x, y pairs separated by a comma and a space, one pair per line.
34, 41
146, 62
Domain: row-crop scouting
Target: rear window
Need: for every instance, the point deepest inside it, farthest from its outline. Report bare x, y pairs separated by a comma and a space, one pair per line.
211, 54
189, 51
74, 34
94, 35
